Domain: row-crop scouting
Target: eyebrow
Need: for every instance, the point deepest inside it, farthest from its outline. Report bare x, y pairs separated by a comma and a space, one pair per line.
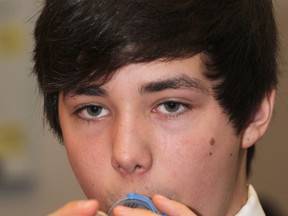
91, 90
178, 82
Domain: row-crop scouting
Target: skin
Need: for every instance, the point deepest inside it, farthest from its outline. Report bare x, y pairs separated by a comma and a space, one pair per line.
144, 132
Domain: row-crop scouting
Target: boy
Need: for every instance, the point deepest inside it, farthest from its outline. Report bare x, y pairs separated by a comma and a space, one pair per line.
163, 98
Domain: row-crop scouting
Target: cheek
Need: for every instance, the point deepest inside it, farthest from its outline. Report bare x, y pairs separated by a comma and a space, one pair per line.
202, 164
183, 156
86, 159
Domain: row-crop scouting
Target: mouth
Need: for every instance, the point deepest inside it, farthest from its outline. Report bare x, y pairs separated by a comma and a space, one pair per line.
115, 196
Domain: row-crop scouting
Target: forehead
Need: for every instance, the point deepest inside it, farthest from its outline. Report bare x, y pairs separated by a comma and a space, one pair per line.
153, 76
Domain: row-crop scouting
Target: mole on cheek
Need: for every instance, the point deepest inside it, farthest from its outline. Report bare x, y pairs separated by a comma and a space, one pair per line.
212, 141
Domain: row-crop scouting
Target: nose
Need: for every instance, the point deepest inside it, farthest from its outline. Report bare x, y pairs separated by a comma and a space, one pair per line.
131, 153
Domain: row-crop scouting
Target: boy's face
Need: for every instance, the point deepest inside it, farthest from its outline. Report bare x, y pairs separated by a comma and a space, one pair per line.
153, 128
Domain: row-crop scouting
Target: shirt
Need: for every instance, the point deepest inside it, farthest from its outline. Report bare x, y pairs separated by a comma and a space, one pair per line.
252, 206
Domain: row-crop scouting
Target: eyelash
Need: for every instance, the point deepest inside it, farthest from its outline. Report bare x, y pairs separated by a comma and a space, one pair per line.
84, 108
184, 106
83, 112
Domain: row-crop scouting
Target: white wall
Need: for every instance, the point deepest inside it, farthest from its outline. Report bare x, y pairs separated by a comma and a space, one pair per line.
52, 181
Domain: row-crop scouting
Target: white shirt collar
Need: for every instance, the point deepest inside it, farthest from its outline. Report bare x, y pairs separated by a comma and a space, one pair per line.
252, 206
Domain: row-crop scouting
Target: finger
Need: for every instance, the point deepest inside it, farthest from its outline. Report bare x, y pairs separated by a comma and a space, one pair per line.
126, 211
171, 207
101, 213
78, 208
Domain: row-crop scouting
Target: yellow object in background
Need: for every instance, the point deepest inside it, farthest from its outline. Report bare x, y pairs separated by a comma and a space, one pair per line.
12, 139
11, 39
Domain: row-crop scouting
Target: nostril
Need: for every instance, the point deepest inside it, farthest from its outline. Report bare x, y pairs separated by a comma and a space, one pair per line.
129, 169
138, 167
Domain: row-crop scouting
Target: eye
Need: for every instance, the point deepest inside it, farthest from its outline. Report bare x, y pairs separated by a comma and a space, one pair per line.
92, 112
173, 108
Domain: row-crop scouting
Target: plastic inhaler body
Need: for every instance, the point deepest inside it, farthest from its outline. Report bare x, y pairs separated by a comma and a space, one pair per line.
134, 200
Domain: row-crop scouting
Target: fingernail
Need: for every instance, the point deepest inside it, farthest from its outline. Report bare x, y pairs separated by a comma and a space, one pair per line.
87, 204
101, 213
158, 196
121, 210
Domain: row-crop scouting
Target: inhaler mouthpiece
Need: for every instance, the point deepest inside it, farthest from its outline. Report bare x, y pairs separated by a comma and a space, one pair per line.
134, 200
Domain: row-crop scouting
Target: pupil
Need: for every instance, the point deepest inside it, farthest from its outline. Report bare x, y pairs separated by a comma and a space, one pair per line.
94, 110
172, 106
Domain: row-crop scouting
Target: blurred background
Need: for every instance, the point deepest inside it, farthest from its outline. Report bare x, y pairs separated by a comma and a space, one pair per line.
35, 177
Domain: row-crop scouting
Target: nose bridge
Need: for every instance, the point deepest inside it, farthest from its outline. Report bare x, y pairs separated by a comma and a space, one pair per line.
131, 152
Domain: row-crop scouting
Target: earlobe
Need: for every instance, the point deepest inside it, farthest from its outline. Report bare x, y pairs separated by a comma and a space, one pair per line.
260, 121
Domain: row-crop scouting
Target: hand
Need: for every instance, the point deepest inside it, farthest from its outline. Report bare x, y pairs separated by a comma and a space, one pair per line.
78, 208
167, 206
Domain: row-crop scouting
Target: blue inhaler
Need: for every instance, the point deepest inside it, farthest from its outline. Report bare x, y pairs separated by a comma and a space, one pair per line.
134, 200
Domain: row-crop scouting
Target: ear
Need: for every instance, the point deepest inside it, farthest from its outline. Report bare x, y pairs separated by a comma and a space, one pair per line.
260, 121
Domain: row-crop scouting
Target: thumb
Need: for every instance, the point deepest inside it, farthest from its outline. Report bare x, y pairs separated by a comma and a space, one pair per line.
171, 207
